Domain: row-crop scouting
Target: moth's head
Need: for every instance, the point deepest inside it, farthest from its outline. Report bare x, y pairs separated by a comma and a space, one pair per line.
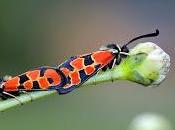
124, 50
116, 49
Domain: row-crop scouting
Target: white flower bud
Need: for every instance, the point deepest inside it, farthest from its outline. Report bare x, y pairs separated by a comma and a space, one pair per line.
157, 60
147, 64
149, 121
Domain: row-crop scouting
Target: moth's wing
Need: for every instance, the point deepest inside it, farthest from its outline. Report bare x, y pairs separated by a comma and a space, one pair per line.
43, 69
83, 76
70, 87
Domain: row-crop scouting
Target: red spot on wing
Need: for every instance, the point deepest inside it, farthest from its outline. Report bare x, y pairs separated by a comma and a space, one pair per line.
33, 75
89, 70
65, 71
51, 73
12, 84
102, 57
28, 85
43, 83
75, 78
78, 63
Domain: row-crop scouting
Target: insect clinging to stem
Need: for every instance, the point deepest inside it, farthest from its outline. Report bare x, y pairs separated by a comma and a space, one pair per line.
70, 74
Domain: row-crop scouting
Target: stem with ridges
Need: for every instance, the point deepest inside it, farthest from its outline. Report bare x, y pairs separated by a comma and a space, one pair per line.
25, 98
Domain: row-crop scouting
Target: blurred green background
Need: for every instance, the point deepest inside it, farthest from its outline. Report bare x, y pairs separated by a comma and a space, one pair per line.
39, 32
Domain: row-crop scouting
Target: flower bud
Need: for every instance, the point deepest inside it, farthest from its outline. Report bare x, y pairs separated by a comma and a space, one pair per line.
147, 64
150, 121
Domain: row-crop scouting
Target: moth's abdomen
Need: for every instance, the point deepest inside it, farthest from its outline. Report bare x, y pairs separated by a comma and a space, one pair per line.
40, 79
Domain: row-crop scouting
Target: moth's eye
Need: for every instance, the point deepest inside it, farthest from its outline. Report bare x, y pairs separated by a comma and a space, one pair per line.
109, 46
124, 49
114, 51
112, 46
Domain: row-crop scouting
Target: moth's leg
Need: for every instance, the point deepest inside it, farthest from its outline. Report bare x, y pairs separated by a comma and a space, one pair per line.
118, 60
3, 97
112, 64
12, 96
105, 68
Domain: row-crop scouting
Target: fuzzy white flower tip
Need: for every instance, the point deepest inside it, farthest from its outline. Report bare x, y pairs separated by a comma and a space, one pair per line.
156, 65
150, 121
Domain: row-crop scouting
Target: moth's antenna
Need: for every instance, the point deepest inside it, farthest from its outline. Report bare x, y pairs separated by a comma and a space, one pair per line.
144, 36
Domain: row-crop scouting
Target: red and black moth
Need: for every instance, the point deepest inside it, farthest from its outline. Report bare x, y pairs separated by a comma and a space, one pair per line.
70, 74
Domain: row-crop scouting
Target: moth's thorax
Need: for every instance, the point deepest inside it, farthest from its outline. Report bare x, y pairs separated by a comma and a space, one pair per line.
103, 57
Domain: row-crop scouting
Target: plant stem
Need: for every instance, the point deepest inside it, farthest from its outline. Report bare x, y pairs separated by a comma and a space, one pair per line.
25, 98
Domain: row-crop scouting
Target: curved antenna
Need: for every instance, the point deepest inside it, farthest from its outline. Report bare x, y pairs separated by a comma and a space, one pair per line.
144, 36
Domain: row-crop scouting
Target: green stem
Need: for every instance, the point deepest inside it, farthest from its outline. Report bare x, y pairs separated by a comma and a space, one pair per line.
25, 98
